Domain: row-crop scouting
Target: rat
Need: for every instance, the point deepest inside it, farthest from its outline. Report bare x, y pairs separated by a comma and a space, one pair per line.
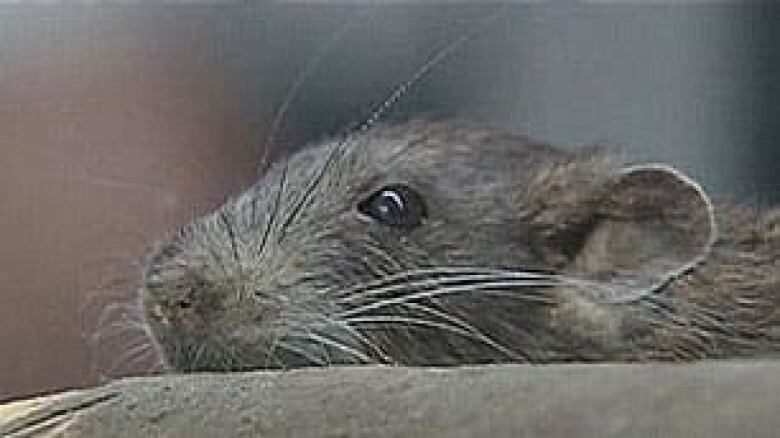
446, 243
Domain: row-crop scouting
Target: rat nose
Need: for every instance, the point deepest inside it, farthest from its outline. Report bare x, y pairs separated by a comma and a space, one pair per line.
188, 303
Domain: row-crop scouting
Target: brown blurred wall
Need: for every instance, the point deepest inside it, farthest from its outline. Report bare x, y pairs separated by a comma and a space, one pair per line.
107, 143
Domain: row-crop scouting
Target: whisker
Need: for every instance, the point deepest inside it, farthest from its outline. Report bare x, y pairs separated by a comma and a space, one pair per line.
231, 236
277, 204
361, 338
439, 271
123, 310
437, 57
302, 352
521, 280
305, 197
459, 322
308, 69
394, 319
377, 113
454, 290
338, 345
157, 366
385, 256
269, 355
143, 355
116, 329
323, 346
122, 359
110, 288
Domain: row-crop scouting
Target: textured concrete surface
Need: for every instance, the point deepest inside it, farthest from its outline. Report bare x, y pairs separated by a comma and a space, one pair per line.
724, 399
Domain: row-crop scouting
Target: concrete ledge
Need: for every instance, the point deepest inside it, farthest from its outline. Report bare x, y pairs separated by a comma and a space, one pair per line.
712, 399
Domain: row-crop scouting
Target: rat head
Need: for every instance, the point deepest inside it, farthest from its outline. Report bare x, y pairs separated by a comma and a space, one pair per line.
422, 244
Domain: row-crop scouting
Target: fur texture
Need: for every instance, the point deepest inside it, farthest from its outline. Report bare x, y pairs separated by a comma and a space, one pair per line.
528, 254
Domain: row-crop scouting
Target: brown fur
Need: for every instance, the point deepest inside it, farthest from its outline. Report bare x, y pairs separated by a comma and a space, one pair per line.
528, 254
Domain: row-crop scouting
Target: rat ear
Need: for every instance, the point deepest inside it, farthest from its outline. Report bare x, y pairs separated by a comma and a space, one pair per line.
652, 225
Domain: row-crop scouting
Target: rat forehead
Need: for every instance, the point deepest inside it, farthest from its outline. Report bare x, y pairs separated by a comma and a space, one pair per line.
436, 154
425, 148
418, 140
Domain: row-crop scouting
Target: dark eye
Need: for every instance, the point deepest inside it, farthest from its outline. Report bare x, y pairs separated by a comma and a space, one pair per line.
395, 205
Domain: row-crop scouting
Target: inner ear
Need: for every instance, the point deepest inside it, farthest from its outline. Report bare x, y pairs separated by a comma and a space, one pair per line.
652, 225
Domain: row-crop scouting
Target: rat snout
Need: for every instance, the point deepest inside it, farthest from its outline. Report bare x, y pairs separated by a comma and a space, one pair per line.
187, 304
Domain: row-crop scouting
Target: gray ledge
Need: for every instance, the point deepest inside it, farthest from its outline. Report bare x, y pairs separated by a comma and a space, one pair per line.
711, 399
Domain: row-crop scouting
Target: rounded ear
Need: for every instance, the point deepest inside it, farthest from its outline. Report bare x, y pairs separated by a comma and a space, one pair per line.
653, 225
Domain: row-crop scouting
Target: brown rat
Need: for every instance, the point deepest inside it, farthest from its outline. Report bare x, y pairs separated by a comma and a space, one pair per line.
444, 243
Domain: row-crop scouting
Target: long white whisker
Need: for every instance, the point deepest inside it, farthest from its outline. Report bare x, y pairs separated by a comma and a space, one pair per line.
123, 358
476, 333
361, 338
142, 355
439, 56
441, 271
340, 346
311, 66
376, 250
447, 291
124, 310
313, 336
393, 319
301, 352
117, 328
444, 281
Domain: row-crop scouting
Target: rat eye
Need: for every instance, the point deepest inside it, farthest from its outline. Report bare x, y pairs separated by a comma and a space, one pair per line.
396, 205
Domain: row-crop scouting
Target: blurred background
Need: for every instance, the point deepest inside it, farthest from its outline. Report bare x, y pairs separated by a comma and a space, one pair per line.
118, 123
